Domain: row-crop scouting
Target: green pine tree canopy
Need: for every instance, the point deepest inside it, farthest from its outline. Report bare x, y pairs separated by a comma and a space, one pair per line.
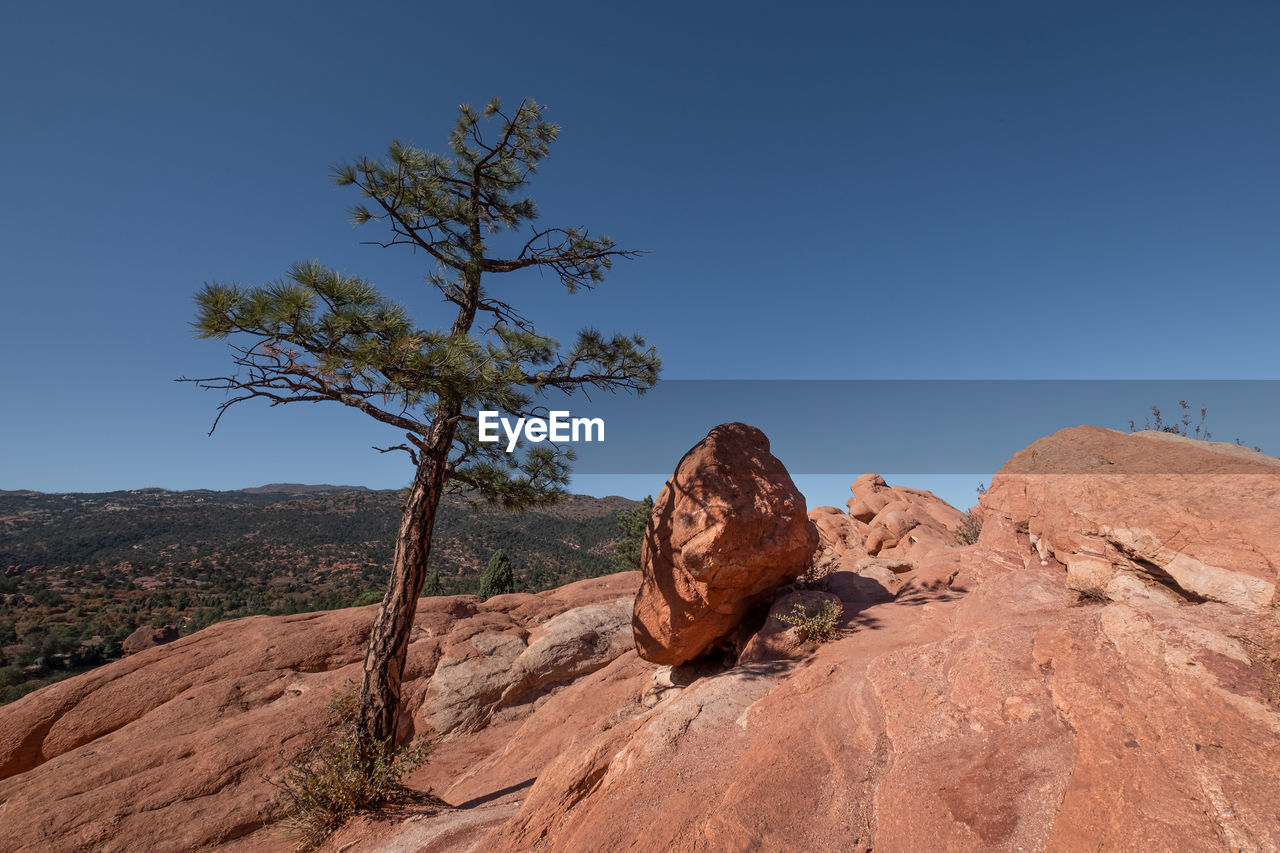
632, 523
498, 577
322, 335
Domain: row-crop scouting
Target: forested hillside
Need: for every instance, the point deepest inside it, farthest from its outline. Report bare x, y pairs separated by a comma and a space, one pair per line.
79, 572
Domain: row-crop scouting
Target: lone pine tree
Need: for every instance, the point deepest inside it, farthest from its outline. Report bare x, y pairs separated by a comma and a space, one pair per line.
322, 335
498, 579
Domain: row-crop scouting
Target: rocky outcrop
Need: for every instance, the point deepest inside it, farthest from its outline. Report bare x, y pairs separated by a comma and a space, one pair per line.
896, 524
147, 637
728, 529
901, 522
1146, 515
174, 748
983, 706
495, 662
884, 542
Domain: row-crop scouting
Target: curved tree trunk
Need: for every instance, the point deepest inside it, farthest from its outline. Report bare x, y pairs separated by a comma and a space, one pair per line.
389, 641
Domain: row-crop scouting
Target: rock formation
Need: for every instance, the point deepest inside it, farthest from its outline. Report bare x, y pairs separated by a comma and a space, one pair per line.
896, 524
1147, 515
173, 748
1003, 696
727, 530
147, 637
986, 706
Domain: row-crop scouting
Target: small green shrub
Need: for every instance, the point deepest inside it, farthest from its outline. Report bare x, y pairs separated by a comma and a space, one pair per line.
821, 626
344, 775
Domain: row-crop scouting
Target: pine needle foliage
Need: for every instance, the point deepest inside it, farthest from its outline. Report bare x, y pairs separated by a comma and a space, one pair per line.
320, 335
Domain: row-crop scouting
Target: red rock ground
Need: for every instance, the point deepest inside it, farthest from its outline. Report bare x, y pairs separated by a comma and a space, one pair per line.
992, 700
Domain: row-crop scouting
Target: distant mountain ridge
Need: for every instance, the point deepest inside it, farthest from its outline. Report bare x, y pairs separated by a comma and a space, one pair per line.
304, 489
268, 489
324, 524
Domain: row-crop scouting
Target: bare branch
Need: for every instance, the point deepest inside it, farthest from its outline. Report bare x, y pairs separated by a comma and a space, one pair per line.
504, 313
413, 455
274, 374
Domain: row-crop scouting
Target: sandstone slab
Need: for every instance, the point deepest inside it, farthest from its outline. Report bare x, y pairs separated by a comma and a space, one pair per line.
174, 748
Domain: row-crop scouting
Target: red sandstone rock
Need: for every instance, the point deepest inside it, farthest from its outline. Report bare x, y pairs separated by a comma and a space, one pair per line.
728, 529
872, 552
1147, 514
983, 707
172, 748
497, 663
147, 637
899, 521
1001, 718
839, 535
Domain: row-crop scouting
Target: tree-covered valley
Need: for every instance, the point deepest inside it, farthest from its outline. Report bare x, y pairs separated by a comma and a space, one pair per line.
80, 572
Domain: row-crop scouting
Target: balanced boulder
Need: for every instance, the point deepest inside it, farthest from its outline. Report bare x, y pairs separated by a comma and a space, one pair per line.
727, 530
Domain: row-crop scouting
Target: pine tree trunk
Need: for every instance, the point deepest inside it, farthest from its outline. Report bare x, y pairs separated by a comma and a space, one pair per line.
389, 641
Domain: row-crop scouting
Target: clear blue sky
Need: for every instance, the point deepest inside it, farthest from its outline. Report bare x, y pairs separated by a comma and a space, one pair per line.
857, 191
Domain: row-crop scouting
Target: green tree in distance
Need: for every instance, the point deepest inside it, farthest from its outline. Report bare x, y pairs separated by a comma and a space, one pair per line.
321, 335
498, 579
632, 522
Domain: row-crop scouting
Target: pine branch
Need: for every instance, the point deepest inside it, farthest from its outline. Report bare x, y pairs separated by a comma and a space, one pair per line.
297, 386
413, 454
573, 255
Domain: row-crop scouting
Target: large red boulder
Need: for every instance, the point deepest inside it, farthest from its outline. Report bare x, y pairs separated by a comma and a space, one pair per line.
727, 530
